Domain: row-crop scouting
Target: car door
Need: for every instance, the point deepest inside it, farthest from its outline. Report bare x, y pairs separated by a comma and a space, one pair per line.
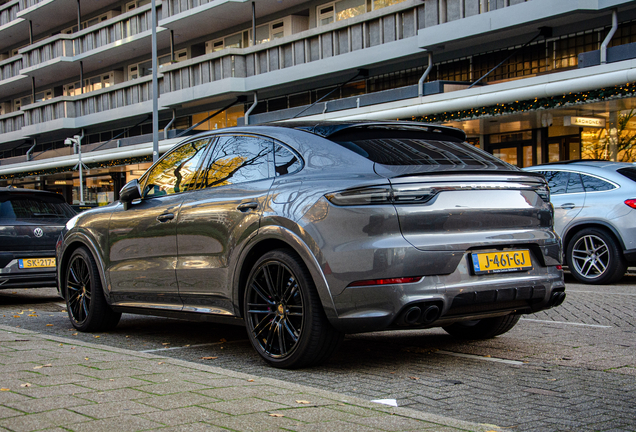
143, 238
217, 218
567, 196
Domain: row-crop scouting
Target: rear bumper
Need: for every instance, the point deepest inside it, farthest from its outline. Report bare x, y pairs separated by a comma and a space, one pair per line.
12, 276
459, 296
630, 255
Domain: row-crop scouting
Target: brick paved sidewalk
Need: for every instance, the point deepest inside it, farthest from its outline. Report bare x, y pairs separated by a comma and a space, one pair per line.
53, 383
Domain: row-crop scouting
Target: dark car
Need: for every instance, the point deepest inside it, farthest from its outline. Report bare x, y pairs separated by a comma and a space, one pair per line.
595, 215
30, 224
304, 232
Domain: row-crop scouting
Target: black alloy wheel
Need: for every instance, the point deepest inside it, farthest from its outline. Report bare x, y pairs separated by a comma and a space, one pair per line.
285, 320
85, 302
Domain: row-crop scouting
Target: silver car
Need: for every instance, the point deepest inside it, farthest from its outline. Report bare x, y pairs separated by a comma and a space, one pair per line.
595, 215
303, 232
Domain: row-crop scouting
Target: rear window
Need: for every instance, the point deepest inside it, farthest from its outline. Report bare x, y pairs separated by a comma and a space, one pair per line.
14, 207
630, 173
416, 148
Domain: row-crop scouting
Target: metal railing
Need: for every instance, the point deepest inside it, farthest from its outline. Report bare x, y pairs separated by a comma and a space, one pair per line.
118, 96
9, 12
10, 68
99, 35
339, 38
11, 122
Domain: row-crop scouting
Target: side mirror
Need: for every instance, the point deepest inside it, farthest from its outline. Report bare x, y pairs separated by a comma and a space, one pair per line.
129, 192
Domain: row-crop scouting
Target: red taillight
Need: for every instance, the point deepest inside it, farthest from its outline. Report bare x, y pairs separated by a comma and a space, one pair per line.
559, 267
390, 281
631, 203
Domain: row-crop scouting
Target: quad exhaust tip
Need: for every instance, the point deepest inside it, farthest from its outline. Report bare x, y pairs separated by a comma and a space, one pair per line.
417, 315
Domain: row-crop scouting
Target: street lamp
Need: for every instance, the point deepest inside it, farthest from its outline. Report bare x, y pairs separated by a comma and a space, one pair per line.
77, 141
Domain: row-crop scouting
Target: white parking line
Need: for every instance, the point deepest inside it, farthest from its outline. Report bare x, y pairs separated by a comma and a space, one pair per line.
476, 357
565, 322
599, 292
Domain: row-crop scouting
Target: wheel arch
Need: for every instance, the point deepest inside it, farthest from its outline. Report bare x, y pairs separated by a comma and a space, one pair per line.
72, 243
572, 230
276, 237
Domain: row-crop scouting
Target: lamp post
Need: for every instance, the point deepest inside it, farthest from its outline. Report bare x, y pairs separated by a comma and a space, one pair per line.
77, 141
155, 87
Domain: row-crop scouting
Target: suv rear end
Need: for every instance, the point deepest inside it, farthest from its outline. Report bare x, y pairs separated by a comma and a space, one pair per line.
30, 224
451, 235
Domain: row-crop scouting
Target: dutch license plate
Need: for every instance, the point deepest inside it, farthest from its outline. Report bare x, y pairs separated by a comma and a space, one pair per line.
26, 263
501, 262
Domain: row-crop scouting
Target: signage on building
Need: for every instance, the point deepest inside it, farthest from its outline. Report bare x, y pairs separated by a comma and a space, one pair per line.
584, 121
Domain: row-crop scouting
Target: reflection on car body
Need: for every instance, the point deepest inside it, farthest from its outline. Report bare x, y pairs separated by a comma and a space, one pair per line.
306, 231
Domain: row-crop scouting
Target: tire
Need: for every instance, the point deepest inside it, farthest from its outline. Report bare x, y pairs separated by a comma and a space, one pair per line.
594, 257
85, 301
484, 328
285, 320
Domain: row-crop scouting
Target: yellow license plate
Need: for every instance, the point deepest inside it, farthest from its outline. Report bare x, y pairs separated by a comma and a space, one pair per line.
26, 263
501, 262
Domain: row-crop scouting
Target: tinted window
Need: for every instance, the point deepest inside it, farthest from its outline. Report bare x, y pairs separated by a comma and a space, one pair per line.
557, 181
176, 171
630, 173
595, 184
395, 147
285, 161
574, 183
237, 159
14, 207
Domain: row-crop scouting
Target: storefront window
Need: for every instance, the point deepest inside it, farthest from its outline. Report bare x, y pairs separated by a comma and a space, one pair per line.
554, 154
507, 154
227, 118
615, 142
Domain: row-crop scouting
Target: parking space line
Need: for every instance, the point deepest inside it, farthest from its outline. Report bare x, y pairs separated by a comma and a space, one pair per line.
565, 322
599, 292
182, 347
476, 357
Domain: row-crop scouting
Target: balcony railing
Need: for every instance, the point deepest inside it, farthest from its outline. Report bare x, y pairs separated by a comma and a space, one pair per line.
118, 96
9, 12
10, 68
11, 122
108, 32
25, 4
312, 45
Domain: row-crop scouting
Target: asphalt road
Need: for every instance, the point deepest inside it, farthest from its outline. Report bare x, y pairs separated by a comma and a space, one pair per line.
572, 368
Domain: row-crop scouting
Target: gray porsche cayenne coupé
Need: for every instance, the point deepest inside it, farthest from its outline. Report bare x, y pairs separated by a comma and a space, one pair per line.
306, 231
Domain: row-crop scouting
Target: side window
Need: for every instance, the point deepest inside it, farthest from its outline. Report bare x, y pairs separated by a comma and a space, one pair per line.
574, 183
285, 161
238, 159
595, 184
557, 181
176, 171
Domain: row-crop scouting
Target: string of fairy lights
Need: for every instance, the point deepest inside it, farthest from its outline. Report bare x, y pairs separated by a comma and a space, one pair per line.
570, 99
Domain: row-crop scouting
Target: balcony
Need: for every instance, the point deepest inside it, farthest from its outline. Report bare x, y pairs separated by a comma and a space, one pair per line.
126, 100
11, 125
337, 48
13, 29
117, 39
11, 82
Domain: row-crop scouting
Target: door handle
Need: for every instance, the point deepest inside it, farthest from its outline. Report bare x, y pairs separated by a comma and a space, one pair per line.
245, 207
165, 217
568, 206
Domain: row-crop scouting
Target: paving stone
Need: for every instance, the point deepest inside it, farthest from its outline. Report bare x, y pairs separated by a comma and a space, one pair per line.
171, 402
123, 423
257, 422
45, 419
244, 406
178, 416
113, 409
114, 395
47, 404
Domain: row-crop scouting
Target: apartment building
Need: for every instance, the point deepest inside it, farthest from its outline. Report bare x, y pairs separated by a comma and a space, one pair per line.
529, 81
